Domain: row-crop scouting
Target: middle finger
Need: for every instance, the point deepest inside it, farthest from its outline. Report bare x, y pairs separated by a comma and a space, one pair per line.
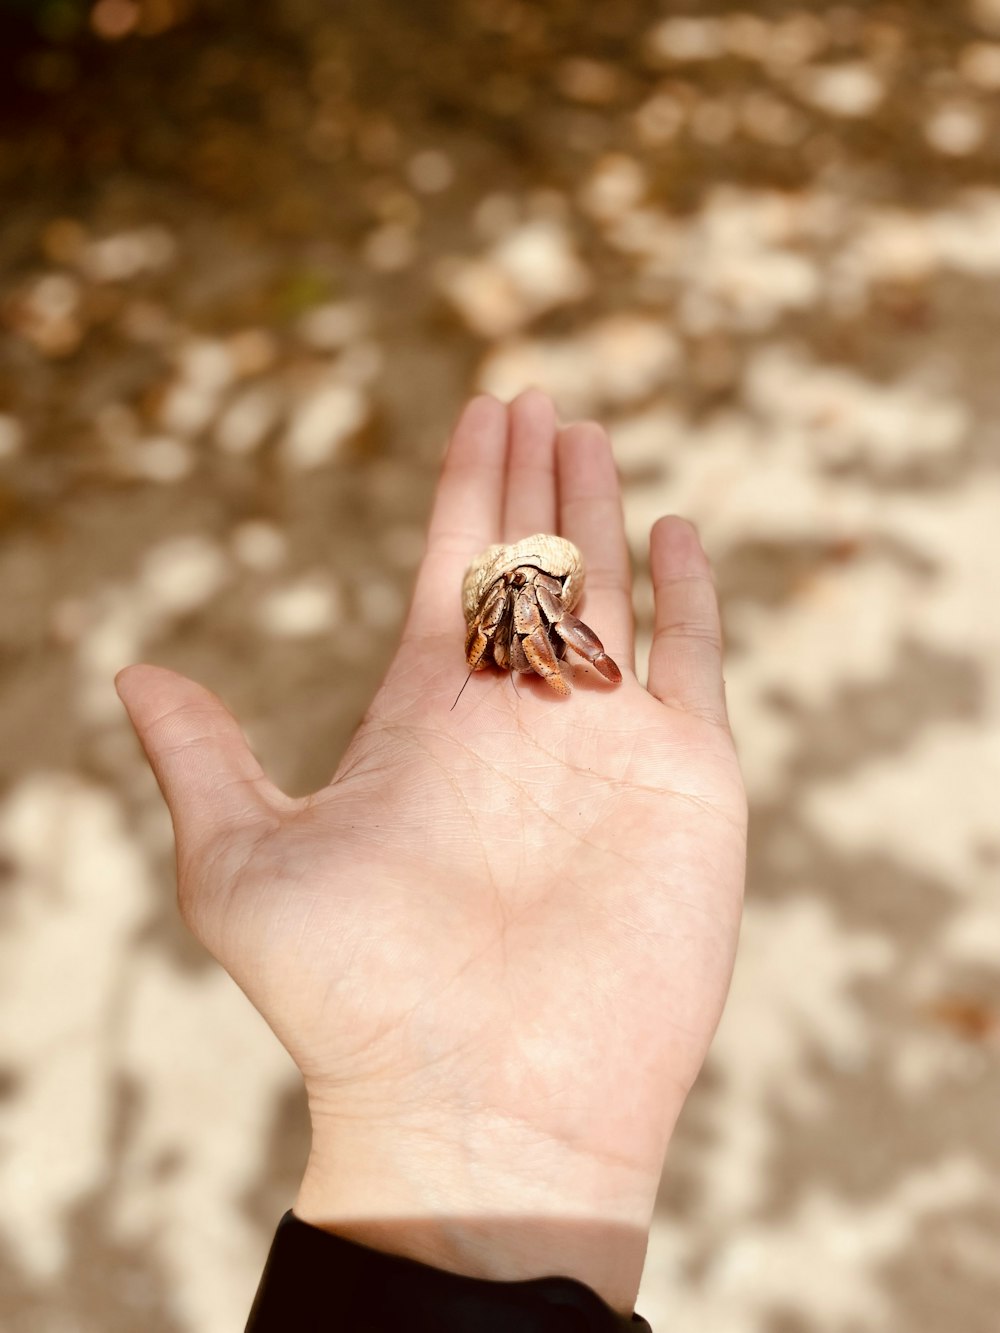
530, 498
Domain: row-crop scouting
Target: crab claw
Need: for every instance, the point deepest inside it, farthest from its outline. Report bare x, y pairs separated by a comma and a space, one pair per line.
582, 639
543, 660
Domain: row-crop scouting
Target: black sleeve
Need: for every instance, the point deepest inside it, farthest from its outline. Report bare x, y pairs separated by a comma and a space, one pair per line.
316, 1282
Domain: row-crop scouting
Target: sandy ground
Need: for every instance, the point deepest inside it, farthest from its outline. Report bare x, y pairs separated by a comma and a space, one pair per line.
251, 264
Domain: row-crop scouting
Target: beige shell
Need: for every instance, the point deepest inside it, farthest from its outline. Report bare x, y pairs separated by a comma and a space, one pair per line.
553, 555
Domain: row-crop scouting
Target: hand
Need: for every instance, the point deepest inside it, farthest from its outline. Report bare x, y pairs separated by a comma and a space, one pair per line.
498, 943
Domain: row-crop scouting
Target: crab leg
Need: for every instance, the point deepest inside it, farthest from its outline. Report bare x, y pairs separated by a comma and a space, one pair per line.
542, 659
485, 627
538, 651
580, 637
527, 616
518, 660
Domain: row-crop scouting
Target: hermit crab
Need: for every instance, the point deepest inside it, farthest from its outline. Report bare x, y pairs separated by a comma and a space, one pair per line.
518, 602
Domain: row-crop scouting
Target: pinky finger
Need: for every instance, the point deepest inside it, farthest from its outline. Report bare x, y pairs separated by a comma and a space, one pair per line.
685, 662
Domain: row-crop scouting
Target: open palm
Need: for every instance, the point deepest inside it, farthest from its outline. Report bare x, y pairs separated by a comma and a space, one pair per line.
498, 943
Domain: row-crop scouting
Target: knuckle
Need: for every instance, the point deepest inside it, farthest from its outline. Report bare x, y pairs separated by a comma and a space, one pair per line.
693, 631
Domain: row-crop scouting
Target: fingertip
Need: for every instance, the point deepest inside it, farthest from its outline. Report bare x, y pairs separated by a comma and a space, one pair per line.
577, 433
479, 437
121, 681
685, 663
482, 408
146, 682
676, 530
676, 549
195, 747
533, 413
131, 684
586, 459
534, 401
128, 678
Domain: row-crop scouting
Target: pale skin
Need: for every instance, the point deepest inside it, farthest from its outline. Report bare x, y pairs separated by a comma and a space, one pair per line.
498, 943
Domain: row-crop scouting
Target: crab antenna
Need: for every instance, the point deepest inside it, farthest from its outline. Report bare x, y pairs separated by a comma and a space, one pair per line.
462, 690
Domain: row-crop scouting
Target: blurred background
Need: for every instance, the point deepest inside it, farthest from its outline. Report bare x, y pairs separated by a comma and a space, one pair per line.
252, 258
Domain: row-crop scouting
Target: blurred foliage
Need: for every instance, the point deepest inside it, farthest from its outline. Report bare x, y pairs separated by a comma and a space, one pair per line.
65, 21
55, 20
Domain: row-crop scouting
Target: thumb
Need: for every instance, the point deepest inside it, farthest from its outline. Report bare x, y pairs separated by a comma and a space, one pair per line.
206, 772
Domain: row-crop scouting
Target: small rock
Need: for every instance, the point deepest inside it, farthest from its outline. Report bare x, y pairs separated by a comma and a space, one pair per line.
967, 237
207, 363
631, 355
112, 20
252, 351
686, 39
615, 186
646, 442
162, 459
979, 64
592, 82
391, 248
987, 14
430, 171
47, 314
659, 119
770, 120
851, 89
956, 129
897, 246
323, 423
303, 609
186, 409
530, 270
11, 436
483, 295
182, 574
125, 255
260, 546
328, 328
116, 627
617, 360
248, 419
205, 369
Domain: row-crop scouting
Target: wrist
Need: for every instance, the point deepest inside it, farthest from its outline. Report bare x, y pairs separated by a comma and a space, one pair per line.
492, 1203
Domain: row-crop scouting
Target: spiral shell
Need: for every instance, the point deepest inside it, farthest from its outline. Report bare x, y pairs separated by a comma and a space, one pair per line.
553, 555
